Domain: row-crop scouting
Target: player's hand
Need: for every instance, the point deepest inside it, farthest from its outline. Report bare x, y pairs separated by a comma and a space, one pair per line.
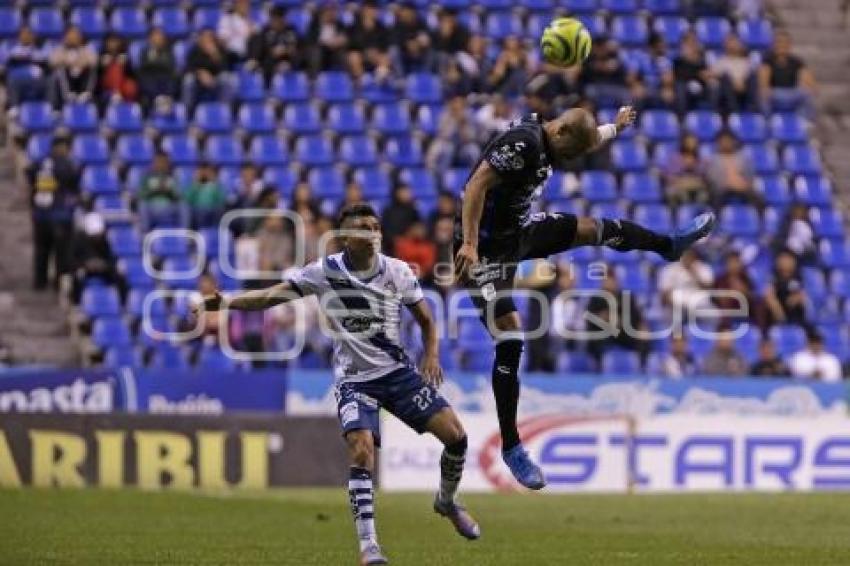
431, 370
625, 118
209, 303
465, 259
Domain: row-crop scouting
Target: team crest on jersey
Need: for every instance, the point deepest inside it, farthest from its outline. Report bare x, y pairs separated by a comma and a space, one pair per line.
507, 156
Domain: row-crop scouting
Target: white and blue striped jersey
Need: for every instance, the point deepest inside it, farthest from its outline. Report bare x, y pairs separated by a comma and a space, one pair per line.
364, 315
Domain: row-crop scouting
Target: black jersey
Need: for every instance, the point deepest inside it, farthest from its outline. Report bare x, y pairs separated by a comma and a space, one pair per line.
519, 155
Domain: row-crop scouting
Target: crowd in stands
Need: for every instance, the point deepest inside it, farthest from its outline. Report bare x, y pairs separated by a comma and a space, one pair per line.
714, 86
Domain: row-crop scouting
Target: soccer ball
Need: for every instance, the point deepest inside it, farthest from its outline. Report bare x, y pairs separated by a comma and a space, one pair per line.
565, 42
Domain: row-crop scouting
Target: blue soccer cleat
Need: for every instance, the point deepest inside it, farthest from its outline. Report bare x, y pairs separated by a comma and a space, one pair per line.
372, 555
463, 522
524, 470
697, 229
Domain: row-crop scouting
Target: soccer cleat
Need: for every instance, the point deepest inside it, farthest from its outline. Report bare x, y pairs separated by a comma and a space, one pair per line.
524, 470
697, 229
463, 522
372, 555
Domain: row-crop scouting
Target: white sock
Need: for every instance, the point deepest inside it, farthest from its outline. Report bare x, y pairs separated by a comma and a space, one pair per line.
361, 495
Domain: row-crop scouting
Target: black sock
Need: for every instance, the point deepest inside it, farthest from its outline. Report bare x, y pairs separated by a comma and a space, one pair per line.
506, 389
624, 236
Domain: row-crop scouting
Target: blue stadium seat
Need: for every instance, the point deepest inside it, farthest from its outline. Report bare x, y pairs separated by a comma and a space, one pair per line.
314, 151
801, 160
124, 117
223, 151
827, 222
654, 216
129, 22
599, 186
473, 336
214, 118
834, 253
173, 21
839, 283
663, 7
182, 149
135, 149
168, 357
740, 220
391, 119
346, 119
544, 6
10, 22
671, 28
774, 189
712, 31
100, 301
170, 246
206, 17
213, 359
90, 20
421, 182
133, 270
267, 151
404, 151
326, 182
763, 158
580, 6
358, 151
374, 182
47, 23
110, 332
629, 156
90, 149
634, 278
281, 178
813, 190
660, 125
620, 6
424, 88
608, 210
704, 124
250, 87
173, 122
787, 338
36, 117
121, 356
454, 179
257, 118
756, 34
814, 283
630, 31
334, 87
80, 117
377, 92
502, 24
100, 180
124, 241
496, 4
748, 127
620, 362
642, 188
595, 24
787, 127
302, 118
291, 87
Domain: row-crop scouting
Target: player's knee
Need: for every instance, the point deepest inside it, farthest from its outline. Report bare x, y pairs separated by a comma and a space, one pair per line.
361, 449
587, 232
458, 445
509, 322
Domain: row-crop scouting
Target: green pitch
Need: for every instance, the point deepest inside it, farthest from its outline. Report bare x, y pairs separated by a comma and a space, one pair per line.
312, 527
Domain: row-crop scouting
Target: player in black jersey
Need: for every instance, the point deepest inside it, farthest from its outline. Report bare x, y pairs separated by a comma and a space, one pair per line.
496, 231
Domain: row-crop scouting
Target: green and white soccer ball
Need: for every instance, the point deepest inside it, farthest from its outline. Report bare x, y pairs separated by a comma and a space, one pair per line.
565, 42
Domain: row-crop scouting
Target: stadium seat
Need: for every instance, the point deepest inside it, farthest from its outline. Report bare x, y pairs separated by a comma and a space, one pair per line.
268, 151
214, 118
421, 182
740, 220
302, 118
629, 156
580, 6
814, 283
129, 22
135, 149
774, 189
257, 118
642, 188
671, 28
346, 119
47, 23
663, 7
748, 127
377, 92
250, 87
283, 179
124, 241
173, 21
502, 24
813, 190
121, 356
763, 158
213, 359
206, 17
326, 182
827, 222
168, 357
374, 182
787, 338
788, 128
90, 149
608, 210
80, 117
291, 87
634, 278
801, 160
454, 179
172, 122
110, 332
630, 31
834, 253
133, 270
712, 31
599, 186
660, 125
839, 283
620, 6
36, 117
169, 246
704, 124
334, 87
182, 149
391, 119
424, 88
621, 362
124, 117
314, 151
358, 151
595, 24
404, 151
223, 151
100, 180
10, 22
654, 216
90, 20
755, 33
99, 301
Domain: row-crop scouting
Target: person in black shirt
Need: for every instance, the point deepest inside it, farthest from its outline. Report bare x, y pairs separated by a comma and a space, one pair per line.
370, 43
275, 47
694, 81
768, 363
784, 77
615, 314
412, 40
786, 297
496, 230
451, 35
157, 70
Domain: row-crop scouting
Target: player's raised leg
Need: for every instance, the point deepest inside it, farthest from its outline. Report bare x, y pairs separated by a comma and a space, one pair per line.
361, 451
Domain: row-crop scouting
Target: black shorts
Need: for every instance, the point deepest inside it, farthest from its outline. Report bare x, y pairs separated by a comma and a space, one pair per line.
545, 235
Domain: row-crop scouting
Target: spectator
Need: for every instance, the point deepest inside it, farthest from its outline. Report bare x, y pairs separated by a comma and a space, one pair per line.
412, 40
160, 201
206, 197
443, 234
604, 74
92, 258
685, 176
735, 71
785, 297
451, 36
724, 359
54, 193
784, 79
207, 65
769, 364
353, 195
511, 70
274, 48
416, 248
304, 204
813, 362
684, 284
157, 70
568, 308
455, 81
796, 235
456, 144
615, 314
276, 245
235, 28
694, 80
735, 279
653, 81
248, 187
493, 117
26, 68
447, 207
370, 43
398, 216
327, 40
74, 65
730, 173
116, 77
474, 63
679, 362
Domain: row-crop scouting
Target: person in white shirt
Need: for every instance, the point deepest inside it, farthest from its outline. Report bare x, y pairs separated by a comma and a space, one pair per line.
813, 362
235, 28
684, 285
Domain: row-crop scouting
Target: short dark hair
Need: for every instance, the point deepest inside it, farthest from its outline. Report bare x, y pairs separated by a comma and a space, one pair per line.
356, 210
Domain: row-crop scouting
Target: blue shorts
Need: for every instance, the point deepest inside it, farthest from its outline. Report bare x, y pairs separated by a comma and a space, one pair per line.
404, 393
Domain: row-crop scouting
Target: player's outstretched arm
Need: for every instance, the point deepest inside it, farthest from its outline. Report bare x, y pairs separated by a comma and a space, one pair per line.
626, 117
429, 367
258, 299
473, 207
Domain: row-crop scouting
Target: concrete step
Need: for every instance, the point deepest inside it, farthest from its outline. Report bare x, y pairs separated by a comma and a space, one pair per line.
55, 351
